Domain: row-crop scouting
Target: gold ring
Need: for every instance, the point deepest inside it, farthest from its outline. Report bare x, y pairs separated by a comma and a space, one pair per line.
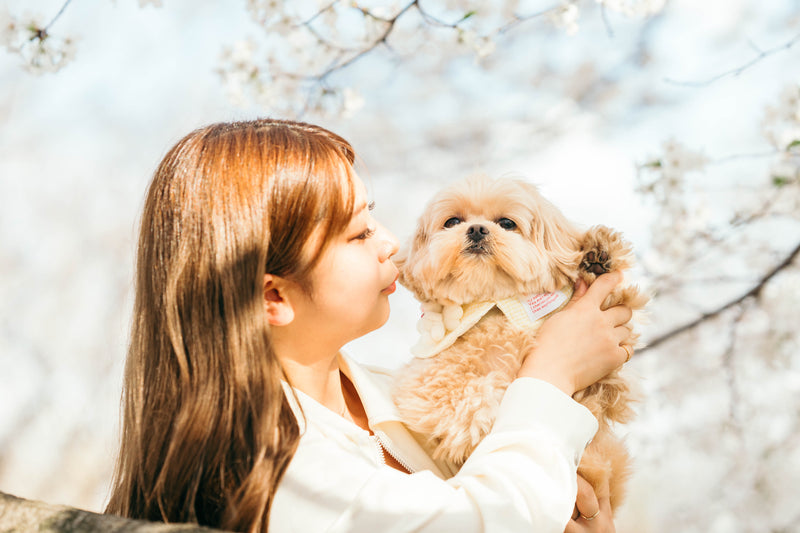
628, 350
590, 518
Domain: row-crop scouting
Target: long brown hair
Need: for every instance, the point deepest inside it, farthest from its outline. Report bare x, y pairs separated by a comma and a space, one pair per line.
207, 432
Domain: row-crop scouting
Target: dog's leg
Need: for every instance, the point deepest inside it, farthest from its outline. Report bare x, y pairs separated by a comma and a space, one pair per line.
605, 250
606, 463
609, 399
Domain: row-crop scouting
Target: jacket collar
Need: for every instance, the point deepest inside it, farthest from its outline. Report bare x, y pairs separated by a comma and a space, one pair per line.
374, 390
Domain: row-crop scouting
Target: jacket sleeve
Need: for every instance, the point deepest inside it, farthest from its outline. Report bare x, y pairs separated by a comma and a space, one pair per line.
521, 478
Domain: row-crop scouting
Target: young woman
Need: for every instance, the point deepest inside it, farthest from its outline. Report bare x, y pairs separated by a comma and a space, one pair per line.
258, 260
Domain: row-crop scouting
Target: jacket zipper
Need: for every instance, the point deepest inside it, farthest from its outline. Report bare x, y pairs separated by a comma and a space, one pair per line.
383, 448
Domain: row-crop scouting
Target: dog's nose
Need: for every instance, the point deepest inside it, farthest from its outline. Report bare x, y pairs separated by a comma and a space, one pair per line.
477, 232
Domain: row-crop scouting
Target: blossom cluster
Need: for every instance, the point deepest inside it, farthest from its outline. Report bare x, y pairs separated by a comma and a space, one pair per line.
29, 38
683, 224
682, 214
298, 66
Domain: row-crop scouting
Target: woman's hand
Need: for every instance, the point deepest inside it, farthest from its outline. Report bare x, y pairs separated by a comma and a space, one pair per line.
591, 515
581, 344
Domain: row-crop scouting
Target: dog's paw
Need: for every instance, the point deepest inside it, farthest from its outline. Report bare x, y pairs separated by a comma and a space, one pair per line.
597, 262
604, 250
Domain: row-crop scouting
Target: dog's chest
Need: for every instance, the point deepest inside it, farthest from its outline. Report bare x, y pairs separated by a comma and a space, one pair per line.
496, 341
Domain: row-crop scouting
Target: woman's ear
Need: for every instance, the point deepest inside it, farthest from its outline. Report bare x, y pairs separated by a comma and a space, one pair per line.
276, 299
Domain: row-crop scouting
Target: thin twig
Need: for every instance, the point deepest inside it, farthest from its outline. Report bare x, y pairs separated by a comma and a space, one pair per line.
519, 19
753, 292
606, 22
58, 15
760, 55
319, 13
430, 19
734, 157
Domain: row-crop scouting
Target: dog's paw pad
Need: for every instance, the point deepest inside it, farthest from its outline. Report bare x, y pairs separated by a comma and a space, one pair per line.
597, 262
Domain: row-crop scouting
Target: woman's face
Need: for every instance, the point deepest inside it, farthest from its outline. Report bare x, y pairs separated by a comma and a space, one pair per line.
352, 281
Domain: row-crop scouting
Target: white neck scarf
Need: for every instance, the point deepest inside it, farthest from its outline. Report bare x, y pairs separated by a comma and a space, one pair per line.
440, 326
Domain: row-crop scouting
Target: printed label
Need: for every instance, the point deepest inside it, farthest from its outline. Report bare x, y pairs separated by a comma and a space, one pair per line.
540, 305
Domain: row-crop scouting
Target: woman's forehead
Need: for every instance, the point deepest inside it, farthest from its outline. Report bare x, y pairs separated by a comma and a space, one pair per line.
361, 199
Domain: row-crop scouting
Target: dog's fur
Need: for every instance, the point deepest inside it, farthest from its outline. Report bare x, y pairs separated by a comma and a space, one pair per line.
452, 398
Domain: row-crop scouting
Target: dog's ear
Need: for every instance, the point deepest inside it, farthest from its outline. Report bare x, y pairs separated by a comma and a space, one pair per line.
560, 235
552, 230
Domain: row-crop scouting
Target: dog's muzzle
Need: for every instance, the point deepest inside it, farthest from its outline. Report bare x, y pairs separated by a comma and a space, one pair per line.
477, 242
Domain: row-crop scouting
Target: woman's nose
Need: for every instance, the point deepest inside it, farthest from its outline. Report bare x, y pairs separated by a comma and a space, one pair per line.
389, 244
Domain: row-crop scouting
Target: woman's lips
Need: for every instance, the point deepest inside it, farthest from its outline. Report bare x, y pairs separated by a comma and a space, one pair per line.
391, 288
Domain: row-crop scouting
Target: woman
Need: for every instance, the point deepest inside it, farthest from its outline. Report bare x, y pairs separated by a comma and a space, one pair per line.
258, 260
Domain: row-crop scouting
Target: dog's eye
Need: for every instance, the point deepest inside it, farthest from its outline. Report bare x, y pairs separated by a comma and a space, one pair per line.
452, 222
506, 223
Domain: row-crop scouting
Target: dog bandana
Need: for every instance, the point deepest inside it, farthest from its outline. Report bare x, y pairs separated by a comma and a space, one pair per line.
440, 326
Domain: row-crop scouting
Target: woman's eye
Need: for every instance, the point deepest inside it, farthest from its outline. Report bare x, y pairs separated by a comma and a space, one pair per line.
366, 234
506, 224
452, 222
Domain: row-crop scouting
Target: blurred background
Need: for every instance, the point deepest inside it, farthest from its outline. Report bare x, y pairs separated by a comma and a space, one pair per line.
674, 121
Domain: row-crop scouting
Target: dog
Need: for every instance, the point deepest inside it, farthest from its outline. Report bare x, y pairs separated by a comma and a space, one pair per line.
489, 260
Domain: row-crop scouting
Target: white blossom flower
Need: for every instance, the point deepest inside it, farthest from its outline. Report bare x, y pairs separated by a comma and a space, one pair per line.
29, 39
375, 26
352, 102
459, 5
240, 73
9, 28
565, 17
789, 104
634, 8
780, 300
677, 160
483, 46
242, 52
264, 11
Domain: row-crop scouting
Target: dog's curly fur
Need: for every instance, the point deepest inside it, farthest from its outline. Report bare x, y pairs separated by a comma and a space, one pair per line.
526, 246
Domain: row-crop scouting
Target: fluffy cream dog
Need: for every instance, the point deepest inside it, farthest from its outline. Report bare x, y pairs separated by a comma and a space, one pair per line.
489, 261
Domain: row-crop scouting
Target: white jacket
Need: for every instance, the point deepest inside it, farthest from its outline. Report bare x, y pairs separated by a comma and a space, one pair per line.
520, 478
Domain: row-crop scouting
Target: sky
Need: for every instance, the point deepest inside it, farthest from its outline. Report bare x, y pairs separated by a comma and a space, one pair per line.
77, 149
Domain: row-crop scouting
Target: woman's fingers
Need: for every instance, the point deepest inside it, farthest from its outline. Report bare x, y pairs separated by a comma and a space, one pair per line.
602, 287
586, 500
591, 515
619, 314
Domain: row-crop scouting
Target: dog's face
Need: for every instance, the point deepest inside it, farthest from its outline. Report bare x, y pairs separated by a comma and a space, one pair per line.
483, 239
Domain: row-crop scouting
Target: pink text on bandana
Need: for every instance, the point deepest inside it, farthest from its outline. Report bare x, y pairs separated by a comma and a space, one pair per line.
540, 305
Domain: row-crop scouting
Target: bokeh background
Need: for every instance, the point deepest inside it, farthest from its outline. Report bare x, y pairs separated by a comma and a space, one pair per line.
674, 122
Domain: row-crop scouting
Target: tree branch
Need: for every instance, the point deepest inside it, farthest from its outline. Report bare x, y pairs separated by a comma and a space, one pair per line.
753, 292
380, 40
